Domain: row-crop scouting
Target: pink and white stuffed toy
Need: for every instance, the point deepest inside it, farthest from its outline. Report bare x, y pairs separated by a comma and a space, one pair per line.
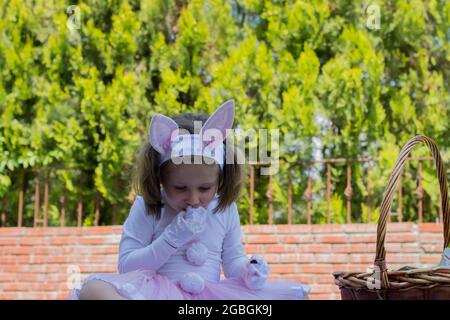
255, 272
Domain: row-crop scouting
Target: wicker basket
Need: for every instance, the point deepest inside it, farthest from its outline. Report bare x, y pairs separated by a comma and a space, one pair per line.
406, 283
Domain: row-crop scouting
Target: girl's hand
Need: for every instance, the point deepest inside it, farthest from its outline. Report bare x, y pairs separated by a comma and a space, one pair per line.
255, 272
195, 218
185, 226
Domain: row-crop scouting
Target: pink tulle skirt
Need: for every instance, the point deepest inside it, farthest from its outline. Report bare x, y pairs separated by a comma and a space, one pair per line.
149, 285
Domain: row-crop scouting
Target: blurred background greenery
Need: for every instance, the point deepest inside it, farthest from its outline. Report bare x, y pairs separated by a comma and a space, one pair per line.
79, 100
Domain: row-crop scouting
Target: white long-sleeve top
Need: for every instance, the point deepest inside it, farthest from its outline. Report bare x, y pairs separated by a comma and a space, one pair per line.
141, 246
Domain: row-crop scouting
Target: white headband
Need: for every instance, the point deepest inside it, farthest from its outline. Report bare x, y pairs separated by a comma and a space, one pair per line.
165, 137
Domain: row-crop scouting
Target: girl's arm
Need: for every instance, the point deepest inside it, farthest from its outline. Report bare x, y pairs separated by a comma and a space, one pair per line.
233, 254
137, 251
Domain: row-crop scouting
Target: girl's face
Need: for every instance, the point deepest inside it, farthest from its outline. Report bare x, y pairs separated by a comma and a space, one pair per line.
192, 185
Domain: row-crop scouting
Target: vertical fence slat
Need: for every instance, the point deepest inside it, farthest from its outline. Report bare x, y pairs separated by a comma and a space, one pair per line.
36, 201
46, 187
400, 198
269, 196
80, 202
252, 193
349, 191
420, 192
4, 211
328, 193
289, 196
63, 207
308, 196
97, 208
369, 186
20, 208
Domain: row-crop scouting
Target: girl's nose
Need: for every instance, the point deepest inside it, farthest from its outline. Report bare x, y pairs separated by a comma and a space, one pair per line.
193, 200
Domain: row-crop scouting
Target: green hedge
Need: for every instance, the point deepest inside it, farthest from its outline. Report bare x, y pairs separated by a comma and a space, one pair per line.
82, 100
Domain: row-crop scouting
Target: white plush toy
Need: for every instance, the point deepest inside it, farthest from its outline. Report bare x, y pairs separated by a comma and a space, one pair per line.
255, 272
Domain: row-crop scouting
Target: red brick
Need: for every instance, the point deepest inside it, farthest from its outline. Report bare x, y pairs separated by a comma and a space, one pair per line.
280, 248
316, 268
349, 248
363, 238
33, 241
350, 267
272, 258
255, 248
64, 240
302, 278
283, 268
257, 229
432, 248
360, 228
296, 257
430, 259
331, 258
16, 250
296, 239
98, 240
401, 237
9, 295
324, 288
8, 277
262, 239
98, 268
325, 279
13, 231
314, 248
15, 286
105, 249
328, 228
394, 247
100, 230
408, 227
338, 238
102, 258
49, 231
431, 227
404, 259
324, 296
4, 260
7, 241
361, 258
293, 228
410, 247
431, 238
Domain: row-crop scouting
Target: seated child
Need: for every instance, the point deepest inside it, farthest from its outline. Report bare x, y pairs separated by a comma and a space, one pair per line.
177, 238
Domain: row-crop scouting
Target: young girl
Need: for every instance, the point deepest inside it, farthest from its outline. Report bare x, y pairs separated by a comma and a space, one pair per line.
176, 239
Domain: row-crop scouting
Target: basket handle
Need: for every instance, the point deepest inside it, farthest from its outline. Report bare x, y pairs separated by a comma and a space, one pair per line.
380, 259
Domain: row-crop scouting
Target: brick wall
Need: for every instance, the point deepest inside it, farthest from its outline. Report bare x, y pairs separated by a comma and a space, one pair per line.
37, 263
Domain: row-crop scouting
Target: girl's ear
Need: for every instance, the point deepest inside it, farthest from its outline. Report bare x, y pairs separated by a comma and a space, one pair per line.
161, 129
215, 129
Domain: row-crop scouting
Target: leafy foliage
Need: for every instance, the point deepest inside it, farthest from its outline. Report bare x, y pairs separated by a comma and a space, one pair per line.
79, 102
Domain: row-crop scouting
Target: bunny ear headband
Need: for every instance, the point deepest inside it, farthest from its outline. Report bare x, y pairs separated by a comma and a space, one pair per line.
165, 136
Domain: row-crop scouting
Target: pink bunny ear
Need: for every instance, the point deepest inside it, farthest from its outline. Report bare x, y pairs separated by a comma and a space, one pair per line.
161, 129
215, 129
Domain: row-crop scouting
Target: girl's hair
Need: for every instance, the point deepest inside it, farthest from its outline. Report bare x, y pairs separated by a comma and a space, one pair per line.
147, 174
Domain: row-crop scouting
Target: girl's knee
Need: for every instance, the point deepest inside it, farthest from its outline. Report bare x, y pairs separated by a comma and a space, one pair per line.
96, 290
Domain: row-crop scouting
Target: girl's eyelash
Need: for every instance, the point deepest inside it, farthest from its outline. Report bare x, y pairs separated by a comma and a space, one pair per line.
201, 188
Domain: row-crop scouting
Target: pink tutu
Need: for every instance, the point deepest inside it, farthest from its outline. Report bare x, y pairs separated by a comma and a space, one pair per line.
149, 285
